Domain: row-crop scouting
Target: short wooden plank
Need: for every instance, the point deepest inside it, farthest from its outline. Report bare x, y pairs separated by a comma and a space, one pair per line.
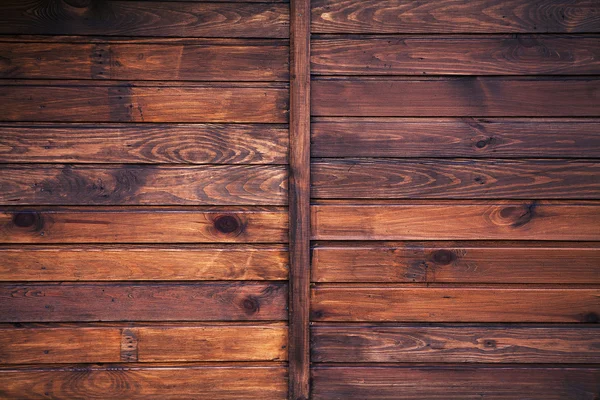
456, 97
244, 61
150, 225
448, 16
468, 137
141, 383
457, 55
455, 344
143, 185
143, 302
140, 18
454, 304
454, 179
455, 383
494, 221
457, 262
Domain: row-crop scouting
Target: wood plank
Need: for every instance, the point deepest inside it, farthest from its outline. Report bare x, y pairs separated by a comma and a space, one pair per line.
453, 304
143, 185
466, 137
244, 61
143, 225
448, 16
456, 97
143, 302
455, 383
143, 262
126, 102
140, 18
457, 55
454, 179
141, 383
456, 262
455, 344
143, 143
479, 221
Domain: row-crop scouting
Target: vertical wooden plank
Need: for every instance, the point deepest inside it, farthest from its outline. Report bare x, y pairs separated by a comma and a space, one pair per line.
299, 199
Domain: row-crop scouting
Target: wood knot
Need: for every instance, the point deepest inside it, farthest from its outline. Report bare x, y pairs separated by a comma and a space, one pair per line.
251, 305
78, 3
226, 224
318, 314
443, 257
490, 344
28, 219
518, 215
591, 318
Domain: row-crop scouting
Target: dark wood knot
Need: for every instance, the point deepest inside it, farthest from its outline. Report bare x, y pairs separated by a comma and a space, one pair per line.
251, 305
591, 318
226, 224
443, 257
28, 219
490, 344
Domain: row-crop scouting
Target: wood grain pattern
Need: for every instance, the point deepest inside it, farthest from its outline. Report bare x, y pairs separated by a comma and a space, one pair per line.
455, 344
456, 97
455, 383
456, 262
143, 302
465, 137
457, 55
448, 16
249, 60
454, 304
455, 179
143, 185
483, 221
143, 225
140, 18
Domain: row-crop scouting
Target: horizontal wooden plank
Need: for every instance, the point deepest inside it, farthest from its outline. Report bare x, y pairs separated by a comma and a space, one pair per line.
457, 262
478, 221
453, 304
455, 383
143, 185
125, 102
143, 262
245, 61
140, 18
150, 225
457, 55
141, 383
455, 344
456, 97
454, 179
467, 137
143, 302
448, 16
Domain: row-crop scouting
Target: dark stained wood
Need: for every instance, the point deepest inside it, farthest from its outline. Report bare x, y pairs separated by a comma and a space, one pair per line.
455, 97
455, 344
248, 60
453, 304
456, 262
466, 137
143, 185
143, 302
455, 179
143, 262
141, 18
455, 383
143, 225
462, 221
449, 16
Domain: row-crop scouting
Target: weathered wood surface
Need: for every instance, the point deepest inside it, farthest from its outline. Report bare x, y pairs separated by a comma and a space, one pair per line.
143, 302
455, 344
456, 97
457, 55
449, 16
144, 225
456, 262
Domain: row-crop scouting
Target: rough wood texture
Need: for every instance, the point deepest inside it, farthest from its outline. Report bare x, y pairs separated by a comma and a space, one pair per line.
143, 185
143, 225
455, 344
457, 262
465, 137
449, 16
456, 97
454, 304
147, 302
